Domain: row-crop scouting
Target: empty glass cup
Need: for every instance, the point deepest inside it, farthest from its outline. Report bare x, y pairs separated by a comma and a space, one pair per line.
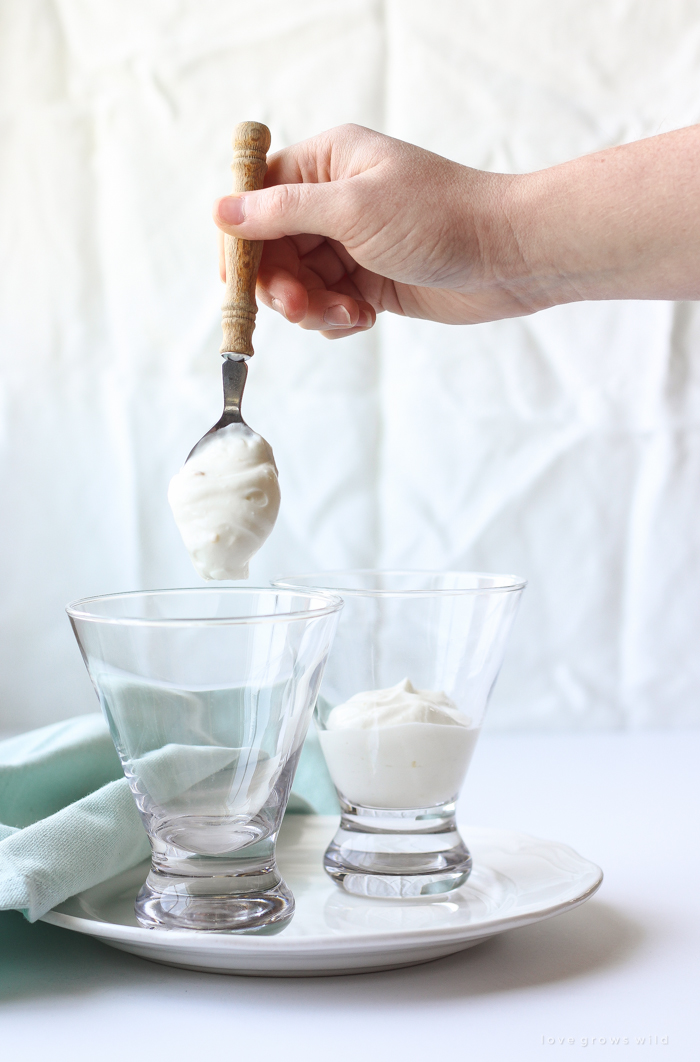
401, 706
208, 695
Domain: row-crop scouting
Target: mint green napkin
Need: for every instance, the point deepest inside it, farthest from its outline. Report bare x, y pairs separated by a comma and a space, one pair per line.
68, 820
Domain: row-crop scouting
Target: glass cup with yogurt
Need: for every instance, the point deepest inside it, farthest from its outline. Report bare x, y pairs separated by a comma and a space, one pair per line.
208, 695
400, 710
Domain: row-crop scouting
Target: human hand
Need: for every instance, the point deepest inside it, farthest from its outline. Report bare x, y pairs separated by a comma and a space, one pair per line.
356, 223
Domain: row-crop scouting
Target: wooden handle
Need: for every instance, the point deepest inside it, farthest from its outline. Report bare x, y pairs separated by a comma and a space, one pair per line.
251, 141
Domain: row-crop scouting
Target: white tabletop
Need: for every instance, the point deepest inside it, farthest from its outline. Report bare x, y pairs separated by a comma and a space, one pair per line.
625, 965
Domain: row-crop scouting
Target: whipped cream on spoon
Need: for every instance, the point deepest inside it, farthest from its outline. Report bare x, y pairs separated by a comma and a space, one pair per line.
226, 497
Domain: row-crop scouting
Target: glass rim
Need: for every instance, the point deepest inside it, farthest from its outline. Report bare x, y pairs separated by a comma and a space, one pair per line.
515, 582
334, 603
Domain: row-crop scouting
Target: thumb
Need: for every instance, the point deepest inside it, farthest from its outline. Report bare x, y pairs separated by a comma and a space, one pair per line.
326, 209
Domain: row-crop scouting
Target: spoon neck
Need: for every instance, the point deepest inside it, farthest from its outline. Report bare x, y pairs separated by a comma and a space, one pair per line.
234, 375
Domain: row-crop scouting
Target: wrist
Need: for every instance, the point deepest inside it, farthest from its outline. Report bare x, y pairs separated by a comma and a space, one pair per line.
509, 257
537, 267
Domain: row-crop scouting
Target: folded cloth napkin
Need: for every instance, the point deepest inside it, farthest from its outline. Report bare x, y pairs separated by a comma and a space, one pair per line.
68, 820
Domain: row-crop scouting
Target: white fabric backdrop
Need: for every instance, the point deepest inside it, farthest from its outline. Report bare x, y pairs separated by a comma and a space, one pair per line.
565, 447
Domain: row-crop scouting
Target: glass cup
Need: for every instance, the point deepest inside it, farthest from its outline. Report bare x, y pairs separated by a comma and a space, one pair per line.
208, 695
401, 706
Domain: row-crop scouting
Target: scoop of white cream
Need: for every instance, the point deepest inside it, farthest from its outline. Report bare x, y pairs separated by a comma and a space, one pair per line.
398, 748
225, 500
402, 703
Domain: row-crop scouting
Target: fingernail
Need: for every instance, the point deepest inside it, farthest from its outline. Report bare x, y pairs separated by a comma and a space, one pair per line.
337, 316
365, 319
279, 306
231, 209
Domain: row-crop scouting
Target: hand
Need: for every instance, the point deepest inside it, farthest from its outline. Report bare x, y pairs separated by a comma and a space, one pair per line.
356, 223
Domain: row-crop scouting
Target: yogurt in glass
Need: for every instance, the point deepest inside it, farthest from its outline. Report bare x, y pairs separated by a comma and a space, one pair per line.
398, 748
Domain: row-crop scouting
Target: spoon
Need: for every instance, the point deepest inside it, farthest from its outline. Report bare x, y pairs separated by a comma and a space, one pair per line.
251, 141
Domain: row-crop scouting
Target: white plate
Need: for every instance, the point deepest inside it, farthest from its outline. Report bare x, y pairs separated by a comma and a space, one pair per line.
516, 880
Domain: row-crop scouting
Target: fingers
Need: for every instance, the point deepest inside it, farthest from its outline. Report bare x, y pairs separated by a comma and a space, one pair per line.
305, 280
329, 210
366, 317
312, 196
335, 315
283, 292
316, 186
317, 309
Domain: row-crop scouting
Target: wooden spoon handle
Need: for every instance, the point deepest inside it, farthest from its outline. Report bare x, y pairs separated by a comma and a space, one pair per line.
251, 141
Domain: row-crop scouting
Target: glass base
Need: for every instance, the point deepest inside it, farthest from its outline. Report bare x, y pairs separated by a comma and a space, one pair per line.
216, 895
394, 854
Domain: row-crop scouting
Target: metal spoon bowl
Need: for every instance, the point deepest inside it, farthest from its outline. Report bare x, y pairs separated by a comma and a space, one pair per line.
234, 372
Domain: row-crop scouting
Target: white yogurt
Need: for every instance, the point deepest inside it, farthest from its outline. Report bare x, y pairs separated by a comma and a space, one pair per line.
398, 748
225, 500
